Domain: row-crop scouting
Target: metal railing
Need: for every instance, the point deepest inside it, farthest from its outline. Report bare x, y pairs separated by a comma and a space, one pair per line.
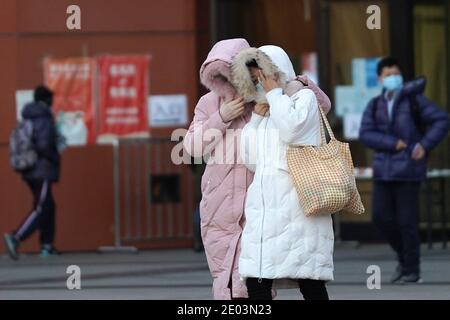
153, 197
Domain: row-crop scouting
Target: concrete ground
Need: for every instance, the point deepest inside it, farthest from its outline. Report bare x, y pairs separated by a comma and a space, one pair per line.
183, 274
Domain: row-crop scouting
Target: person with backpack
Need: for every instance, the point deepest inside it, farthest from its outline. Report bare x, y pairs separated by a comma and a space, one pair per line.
34, 154
402, 126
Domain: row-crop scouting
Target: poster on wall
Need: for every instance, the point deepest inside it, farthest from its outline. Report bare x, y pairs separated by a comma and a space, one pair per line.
310, 66
71, 80
351, 101
365, 86
123, 92
168, 110
352, 124
364, 72
23, 97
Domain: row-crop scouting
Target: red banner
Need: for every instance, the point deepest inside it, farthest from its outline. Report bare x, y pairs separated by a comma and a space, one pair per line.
123, 95
71, 80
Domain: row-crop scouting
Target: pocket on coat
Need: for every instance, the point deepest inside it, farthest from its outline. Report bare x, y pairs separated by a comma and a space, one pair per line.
401, 155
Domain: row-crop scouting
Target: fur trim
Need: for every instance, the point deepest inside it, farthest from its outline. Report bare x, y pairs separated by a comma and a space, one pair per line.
241, 78
216, 77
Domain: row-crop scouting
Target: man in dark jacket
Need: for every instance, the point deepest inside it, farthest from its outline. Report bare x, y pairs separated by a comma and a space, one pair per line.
40, 177
402, 126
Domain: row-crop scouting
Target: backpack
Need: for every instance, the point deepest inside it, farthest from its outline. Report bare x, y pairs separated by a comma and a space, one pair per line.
415, 113
414, 108
23, 155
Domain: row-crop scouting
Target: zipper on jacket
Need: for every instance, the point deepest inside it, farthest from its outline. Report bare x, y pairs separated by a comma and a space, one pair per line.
263, 205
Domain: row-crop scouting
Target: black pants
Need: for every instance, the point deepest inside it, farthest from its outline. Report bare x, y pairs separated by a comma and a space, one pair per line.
395, 212
42, 215
198, 242
261, 289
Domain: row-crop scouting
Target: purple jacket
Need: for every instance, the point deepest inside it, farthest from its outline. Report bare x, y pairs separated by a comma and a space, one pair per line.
380, 133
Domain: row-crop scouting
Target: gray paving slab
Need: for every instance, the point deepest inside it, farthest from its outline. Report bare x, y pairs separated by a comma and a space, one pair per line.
184, 274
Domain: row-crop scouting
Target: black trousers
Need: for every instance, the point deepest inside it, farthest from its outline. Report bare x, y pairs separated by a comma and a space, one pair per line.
261, 289
395, 213
42, 216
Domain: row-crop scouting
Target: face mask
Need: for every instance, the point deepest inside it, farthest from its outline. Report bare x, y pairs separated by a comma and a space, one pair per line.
393, 82
260, 94
259, 88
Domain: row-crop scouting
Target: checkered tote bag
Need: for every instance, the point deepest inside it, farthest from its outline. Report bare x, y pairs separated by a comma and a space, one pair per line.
323, 175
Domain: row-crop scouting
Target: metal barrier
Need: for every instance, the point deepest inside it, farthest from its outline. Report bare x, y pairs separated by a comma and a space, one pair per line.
435, 191
437, 198
153, 197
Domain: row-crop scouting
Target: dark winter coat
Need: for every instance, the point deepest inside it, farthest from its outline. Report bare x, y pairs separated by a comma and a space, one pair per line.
45, 143
381, 133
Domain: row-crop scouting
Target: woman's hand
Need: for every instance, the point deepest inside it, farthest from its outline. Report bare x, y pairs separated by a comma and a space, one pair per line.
232, 109
261, 109
268, 83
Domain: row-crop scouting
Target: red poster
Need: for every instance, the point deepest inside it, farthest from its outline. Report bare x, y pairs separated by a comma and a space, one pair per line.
123, 95
71, 80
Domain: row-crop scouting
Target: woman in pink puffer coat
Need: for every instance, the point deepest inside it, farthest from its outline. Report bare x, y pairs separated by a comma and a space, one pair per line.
224, 183
225, 180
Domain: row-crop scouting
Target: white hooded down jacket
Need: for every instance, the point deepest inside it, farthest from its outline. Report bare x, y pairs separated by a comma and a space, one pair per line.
279, 242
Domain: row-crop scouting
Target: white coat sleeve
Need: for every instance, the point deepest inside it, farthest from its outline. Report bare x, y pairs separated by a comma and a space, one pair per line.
293, 120
249, 145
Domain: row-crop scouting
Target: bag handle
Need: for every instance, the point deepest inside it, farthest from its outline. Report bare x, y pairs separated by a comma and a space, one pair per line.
327, 124
323, 138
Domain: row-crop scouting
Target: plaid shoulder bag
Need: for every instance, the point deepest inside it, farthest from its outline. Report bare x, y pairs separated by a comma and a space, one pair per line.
323, 175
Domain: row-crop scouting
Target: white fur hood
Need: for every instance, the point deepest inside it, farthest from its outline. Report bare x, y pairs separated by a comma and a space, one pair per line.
273, 61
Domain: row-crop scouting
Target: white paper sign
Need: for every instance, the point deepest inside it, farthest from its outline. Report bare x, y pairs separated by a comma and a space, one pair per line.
363, 97
350, 99
167, 110
365, 86
352, 123
364, 72
359, 72
23, 97
345, 100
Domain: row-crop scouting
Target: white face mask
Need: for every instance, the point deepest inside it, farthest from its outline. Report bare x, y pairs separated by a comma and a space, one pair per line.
259, 88
260, 94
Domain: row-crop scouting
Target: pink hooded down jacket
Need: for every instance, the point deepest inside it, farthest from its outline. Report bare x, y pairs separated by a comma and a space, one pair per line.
224, 183
223, 186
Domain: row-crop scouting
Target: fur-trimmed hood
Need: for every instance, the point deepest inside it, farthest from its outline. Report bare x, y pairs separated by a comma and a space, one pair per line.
215, 72
273, 61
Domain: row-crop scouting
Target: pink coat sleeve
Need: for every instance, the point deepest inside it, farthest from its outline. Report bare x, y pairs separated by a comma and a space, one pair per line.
322, 98
206, 116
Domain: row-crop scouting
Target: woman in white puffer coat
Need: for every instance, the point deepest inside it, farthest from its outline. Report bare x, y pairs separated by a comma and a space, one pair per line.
281, 247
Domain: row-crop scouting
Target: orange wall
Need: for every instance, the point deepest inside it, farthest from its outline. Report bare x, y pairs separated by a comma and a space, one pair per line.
84, 199
31, 30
